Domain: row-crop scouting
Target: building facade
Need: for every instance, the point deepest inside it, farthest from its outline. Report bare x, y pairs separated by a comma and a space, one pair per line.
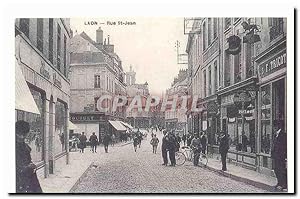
96, 71
177, 119
42, 51
238, 87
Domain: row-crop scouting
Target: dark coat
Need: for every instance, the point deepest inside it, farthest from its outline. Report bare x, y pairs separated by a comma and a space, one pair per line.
82, 143
93, 139
26, 178
106, 139
279, 150
164, 145
203, 141
172, 143
224, 145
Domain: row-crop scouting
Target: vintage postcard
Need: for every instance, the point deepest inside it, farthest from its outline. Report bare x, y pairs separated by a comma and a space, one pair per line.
152, 105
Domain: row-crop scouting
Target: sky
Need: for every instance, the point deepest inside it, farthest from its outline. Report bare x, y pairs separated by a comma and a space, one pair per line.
149, 46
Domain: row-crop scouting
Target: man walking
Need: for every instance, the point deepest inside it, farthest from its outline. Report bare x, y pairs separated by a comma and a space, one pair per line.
203, 143
106, 141
196, 147
82, 142
223, 149
164, 148
184, 139
172, 144
154, 142
94, 141
279, 155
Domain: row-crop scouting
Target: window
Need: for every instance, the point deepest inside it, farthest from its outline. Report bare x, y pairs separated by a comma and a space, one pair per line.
237, 68
204, 36
60, 128
215, 27
204, 82
249, 63
209, 80
276, 27
40, 34
227, 69
266, 129
97, 81
65, 55
227, 23
24, 26
35, 137
58, 46
51, 40
209, 30
216, 74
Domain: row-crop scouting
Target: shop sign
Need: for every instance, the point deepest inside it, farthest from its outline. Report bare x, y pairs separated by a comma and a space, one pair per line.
86, 118
44, 72
273, 64
212, 107
228, 99
57, 80
246, 111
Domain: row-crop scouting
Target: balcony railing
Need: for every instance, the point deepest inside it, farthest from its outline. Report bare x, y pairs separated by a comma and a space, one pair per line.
276, 31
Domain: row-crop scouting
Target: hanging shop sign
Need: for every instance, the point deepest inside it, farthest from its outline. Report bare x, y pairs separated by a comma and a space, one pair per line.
234, 43
212, 107
273, 64
251, 30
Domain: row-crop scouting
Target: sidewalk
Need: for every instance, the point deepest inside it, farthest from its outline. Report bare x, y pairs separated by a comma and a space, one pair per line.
66, 176
242, 174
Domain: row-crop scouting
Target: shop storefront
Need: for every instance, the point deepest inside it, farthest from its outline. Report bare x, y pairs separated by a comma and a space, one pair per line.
238, 117
48, 137
272, 102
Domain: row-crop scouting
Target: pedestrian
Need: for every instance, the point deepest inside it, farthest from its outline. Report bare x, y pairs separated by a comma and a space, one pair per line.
26, 178
164, 148
184, 139
106, 141
172, 145
135, 142
203, 142
94, 141
178, 139
82, 142
113, 139
223, 149
140, 137
279, 155
189, 139
196, 147
154, 142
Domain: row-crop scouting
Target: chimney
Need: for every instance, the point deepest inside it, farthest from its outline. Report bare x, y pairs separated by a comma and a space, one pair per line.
99, 36
107, 39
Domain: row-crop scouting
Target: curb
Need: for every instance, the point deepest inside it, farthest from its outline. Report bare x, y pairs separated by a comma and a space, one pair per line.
241, 179
80, 178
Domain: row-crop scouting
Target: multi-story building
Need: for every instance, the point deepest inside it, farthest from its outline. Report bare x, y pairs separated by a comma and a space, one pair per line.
42, 51
96, 70
238, 87
177, 118
138, 119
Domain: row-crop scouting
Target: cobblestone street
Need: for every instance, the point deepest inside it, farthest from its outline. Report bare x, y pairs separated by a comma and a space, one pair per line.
124, 171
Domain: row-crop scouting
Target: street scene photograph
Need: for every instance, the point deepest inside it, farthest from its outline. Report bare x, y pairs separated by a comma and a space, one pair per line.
151, 105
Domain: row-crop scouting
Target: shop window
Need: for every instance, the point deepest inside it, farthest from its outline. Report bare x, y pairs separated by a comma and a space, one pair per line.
60, 127
35, 138
266, 129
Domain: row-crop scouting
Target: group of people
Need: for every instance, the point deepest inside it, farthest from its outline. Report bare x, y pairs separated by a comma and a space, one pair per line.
107, 139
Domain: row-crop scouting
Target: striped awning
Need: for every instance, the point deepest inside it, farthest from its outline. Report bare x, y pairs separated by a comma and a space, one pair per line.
23, 98
117, 125
127, 125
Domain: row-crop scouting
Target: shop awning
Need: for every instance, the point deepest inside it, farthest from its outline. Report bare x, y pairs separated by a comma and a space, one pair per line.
72, 126
127, 125
23, 98
117, 125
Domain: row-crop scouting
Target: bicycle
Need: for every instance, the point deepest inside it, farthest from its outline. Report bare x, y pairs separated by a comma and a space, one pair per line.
188, 154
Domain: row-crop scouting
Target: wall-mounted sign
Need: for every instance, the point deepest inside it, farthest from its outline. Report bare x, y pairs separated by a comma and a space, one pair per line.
86, 117
273, 64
